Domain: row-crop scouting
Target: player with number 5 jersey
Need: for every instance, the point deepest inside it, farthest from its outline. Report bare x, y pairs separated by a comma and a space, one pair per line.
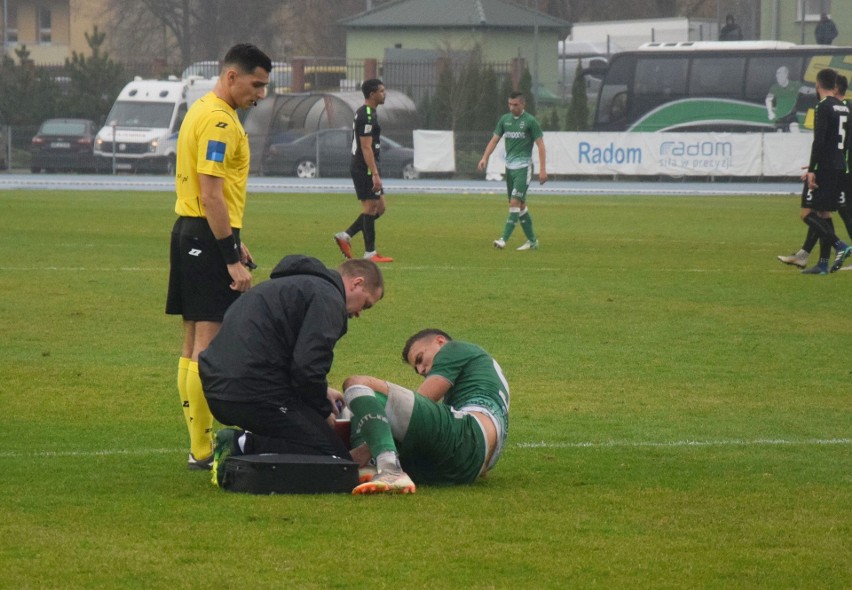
826, 173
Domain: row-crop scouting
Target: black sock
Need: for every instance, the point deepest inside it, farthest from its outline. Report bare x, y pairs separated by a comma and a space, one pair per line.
824, 251
819, 225
369, 233
356, 226
810, 240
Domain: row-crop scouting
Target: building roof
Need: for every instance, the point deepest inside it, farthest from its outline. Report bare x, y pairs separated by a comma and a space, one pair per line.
484, 14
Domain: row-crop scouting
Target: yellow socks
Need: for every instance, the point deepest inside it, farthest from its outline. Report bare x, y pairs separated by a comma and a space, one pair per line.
200, 418
183, 367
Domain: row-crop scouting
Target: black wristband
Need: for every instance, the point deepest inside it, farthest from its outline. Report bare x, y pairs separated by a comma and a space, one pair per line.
230, 250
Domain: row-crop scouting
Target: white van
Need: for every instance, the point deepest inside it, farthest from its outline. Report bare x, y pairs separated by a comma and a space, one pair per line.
141, 129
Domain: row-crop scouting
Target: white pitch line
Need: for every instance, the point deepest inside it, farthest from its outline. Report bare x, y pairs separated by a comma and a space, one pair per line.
102, 453
760, 442
684, 443
79, 269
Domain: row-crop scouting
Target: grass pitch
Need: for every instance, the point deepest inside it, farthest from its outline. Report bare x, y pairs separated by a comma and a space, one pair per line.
680, 418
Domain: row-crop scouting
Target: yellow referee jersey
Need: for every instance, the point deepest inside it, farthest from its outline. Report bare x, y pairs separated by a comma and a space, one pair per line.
212, 141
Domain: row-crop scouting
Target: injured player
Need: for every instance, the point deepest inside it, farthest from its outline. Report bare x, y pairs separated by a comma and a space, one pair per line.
450, 431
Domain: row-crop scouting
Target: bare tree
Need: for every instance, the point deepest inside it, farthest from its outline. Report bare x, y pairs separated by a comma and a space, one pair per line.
182, 31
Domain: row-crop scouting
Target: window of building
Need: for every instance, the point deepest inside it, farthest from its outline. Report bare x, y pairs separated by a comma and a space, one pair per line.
12, 24
44, 27
809, 10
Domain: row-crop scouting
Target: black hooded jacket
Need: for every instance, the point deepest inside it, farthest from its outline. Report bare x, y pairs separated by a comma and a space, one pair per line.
277, 340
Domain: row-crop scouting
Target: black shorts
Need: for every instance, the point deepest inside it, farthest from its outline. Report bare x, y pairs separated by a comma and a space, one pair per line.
199, 283
829, 191
363, 181
282, 426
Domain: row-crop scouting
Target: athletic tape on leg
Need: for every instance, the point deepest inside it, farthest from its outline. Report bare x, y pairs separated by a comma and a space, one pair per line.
399, 409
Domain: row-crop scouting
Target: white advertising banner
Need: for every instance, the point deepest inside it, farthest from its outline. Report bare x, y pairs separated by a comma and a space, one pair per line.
784, 154
673, 154
636, 154
434, 151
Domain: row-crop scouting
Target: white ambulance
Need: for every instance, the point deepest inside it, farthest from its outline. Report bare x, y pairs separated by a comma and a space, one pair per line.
141, 129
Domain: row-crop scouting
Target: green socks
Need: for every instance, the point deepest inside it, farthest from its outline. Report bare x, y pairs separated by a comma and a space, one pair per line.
527, 225
511, 222
369, 422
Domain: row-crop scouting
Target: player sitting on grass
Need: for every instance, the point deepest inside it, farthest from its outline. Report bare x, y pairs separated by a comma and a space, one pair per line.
450, 431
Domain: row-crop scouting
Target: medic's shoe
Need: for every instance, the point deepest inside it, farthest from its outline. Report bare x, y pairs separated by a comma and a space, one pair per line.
226, 445
392, 481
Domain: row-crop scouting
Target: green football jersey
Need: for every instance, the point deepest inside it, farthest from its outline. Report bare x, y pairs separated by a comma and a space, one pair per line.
477, 380
520, 134
785, 98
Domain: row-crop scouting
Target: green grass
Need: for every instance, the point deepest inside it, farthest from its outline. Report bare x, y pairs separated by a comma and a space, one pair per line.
643, 324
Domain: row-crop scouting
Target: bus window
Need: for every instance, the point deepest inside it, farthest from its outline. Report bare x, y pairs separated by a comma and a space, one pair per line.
717, 76
658, 80
753, 86
763, 72
612, 103
786, 97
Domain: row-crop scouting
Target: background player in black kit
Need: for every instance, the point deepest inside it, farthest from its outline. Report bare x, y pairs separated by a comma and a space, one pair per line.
800, 258
826, 172
366, 144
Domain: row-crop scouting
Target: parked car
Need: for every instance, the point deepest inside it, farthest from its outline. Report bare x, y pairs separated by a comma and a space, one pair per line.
301, 158
64, 144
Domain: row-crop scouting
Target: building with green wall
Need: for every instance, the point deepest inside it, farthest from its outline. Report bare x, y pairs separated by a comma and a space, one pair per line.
500, 29
795, 20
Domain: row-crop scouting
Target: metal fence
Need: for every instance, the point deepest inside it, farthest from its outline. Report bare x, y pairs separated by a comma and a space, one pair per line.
297, 158
417, 79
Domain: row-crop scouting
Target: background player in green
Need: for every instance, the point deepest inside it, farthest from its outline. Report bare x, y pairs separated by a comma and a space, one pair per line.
521, 131
450, 431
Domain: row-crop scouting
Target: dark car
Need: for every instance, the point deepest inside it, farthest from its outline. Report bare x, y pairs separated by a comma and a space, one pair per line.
64, 144
301, 157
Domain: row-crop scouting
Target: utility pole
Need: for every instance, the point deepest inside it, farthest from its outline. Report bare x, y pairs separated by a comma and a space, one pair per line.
5, 26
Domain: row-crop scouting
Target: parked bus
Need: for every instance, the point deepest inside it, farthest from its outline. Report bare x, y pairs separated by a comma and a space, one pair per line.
739, 86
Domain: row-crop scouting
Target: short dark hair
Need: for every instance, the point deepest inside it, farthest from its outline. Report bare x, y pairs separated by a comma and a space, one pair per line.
427, 333
370, 86
827, 78
518, 94
367, 269
246, 58
842, 84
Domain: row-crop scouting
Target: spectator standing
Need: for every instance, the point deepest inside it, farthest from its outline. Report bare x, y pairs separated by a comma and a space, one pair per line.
731, 31
826, 30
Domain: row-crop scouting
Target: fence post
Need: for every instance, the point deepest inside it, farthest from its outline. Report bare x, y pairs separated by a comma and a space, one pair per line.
371, 68
297, 80
517, 72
